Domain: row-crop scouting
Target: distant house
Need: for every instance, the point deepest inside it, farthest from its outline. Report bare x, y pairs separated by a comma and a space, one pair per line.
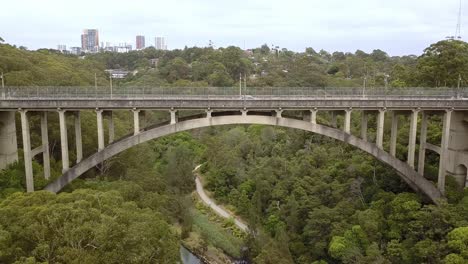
154, 62
117, 73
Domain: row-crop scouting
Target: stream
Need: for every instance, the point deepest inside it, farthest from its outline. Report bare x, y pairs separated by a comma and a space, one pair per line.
187, 257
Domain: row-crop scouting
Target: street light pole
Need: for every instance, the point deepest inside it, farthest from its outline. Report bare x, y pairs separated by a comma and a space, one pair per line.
458, 86
364, 87
240, 84
386, 83
3, 87
110, 79
245, 84
95, 85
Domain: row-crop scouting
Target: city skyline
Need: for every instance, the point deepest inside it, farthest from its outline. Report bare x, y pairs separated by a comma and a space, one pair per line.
400, 27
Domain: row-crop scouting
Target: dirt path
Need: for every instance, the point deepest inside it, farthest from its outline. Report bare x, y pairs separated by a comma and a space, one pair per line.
216, 208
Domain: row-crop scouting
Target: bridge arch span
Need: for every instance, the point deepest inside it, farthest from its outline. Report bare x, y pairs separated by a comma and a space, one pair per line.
408, 174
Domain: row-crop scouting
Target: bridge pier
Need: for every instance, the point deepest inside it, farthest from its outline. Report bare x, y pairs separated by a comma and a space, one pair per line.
456, 151
347, 121
394, 134
412, 137
64, 140
444, 150
45, 145
364, 118
380, 128
334, 117
78, 137
136, 121
100, 129
422, 144
173, 116
208, 113
27, 150
313, 116
110, 118
244, 112
278, 113
8, 143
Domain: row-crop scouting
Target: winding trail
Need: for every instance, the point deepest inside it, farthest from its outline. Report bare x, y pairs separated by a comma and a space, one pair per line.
216, 208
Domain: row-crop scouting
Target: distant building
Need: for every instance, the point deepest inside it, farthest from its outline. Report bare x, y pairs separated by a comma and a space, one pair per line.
121, 48
75, 50
117, 73
62, 48
140, 42
90, 40
160, 43
154, 62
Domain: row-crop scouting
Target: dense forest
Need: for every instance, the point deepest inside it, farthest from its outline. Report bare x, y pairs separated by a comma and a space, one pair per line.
306, 198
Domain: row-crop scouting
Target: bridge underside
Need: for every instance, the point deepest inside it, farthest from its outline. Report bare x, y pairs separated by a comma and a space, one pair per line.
453, 149
407, 173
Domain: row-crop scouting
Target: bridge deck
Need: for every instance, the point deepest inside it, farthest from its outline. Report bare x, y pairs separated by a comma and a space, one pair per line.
43, 98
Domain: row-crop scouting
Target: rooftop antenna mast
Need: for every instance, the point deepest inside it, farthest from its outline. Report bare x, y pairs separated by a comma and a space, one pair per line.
458, 29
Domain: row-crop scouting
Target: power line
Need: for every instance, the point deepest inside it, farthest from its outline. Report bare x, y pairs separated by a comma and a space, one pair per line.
458, 29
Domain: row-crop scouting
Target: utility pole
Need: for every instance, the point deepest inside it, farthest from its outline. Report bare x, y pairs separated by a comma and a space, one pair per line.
110, 79
3, 87
245, 83
458, 28
364, 86
240, 84
386, 83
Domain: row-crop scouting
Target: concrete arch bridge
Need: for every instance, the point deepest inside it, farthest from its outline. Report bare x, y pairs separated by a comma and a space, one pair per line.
227, 106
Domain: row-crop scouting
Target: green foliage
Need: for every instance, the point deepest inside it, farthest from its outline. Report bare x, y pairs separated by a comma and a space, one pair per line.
216, 235
41, 68
458, 241
443, 62
86, 226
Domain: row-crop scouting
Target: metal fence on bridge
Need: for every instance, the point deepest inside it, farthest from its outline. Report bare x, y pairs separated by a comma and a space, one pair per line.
49, 92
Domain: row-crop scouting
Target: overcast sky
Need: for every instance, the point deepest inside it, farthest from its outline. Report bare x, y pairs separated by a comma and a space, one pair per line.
395, 26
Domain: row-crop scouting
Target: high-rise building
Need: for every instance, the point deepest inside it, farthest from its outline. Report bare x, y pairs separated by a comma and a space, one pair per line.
160, 43
90, 40
140, 42
61, 48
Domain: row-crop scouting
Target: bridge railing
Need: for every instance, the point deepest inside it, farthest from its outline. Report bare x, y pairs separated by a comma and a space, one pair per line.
54, 92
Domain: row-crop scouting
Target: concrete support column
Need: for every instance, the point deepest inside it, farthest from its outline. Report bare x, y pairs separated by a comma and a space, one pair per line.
64, 140
380, 128
364, 125
394, 135
444, 150
173, 116
110, 117
422, 144
27, 151
244, 112
45, 145
100, 129
278, 113
78, 138
208, 113
347, 121
333, 121
136, 121
313, 116
412, 137
8, 143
